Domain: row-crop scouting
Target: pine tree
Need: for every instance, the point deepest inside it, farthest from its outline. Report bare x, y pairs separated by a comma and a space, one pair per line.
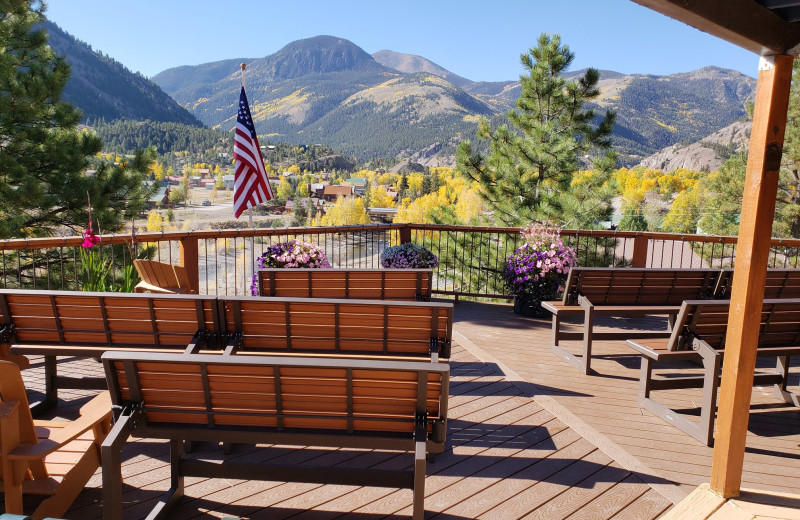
787, 210
529, 166
43, 157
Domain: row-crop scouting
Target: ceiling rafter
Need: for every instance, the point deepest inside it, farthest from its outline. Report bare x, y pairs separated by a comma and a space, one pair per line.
761, 26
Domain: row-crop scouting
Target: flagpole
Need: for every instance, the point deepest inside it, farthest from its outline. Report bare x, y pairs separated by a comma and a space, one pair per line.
250, 212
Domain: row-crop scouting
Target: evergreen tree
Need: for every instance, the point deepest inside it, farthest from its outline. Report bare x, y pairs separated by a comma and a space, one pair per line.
43, 157
529, 166
787, 210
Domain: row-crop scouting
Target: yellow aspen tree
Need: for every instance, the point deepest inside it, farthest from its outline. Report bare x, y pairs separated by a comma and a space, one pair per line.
379, 198
347, 211
155, 222
284, 189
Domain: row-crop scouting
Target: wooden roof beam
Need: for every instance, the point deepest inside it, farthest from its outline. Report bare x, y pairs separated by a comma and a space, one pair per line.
742, 22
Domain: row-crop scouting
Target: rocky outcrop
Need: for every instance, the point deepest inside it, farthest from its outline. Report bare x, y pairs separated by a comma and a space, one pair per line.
707, 154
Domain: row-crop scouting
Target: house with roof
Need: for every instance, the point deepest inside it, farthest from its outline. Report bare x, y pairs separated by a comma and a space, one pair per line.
331, 193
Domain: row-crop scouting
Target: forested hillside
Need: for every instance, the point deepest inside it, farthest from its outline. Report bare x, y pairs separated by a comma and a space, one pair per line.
104, 89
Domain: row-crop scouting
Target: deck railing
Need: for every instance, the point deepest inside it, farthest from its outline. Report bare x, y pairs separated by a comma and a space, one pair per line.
471, 258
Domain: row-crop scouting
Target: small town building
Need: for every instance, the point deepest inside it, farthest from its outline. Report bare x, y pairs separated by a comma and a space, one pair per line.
331, 193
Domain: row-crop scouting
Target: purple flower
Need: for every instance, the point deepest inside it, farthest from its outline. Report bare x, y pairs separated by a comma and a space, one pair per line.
408, 256
540, 266
291, 254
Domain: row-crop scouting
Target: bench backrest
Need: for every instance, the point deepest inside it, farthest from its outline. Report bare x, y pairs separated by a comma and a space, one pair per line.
252, 392
363, 327
779, 283
361, 284
638, 286
708, 320
107, 319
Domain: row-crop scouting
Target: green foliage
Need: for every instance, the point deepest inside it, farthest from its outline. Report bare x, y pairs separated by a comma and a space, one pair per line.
529, 166
43, 184
177, 195
126, 136
632, 222
96, 270
787, 203
724, 202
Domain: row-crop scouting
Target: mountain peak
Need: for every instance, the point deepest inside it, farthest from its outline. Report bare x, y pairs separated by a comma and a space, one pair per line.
318, 55
411, 64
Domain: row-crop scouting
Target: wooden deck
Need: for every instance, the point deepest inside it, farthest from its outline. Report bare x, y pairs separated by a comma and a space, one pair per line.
529, 437
607, 401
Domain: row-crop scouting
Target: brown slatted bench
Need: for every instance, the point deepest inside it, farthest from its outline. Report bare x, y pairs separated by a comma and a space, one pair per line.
361, 284
333, 402
699, 336
592, 291
84, 324
318, 326
779, 283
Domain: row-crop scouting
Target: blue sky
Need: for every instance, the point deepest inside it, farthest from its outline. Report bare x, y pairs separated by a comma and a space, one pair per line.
481, 41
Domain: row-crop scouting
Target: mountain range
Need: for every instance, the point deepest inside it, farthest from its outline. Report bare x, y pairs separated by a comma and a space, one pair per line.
387, 105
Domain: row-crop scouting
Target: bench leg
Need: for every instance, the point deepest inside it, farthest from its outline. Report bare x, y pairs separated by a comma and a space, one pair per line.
704, 431
50, 387
588, 325
164, 507
781, 389
708, 410
111, 459
556, 327
419, 474
645, 376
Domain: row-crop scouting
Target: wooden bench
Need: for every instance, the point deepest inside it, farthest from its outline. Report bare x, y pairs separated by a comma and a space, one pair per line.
362, 284
593, 291
84, 324
341, 403
327, 326
699, 335
779, 283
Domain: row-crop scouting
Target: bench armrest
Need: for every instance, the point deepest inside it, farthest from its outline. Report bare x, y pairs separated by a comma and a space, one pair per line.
657, 351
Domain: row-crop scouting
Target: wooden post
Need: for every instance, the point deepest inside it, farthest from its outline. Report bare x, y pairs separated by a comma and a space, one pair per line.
752, 255
405, 234
190, 261
640, 243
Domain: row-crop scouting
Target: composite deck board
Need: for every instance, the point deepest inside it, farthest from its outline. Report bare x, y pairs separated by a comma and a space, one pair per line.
608, 400
501, 443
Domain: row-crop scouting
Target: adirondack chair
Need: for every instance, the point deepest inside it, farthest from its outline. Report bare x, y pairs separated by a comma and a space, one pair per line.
46, 457
159, 277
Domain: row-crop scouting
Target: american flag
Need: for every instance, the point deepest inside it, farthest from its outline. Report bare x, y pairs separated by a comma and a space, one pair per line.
251, 183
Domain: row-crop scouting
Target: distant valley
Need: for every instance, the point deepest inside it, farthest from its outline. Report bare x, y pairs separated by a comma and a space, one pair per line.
387, 105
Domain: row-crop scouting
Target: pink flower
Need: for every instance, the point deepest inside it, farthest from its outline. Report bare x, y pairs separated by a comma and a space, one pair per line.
89, 238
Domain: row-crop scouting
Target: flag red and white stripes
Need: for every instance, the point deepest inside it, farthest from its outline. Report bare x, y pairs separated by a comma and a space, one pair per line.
251, 183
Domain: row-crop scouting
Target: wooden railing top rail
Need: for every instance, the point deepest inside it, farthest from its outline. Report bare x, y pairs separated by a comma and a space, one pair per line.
207, 234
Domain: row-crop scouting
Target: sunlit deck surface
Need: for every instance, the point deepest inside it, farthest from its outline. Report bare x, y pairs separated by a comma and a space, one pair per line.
529, 437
